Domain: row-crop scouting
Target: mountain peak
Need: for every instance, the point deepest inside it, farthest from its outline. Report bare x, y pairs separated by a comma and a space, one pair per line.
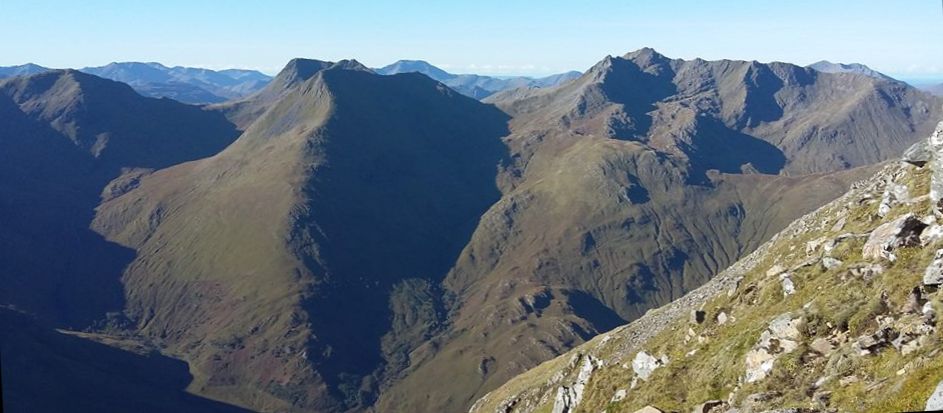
420, 66
826, 66
350, 64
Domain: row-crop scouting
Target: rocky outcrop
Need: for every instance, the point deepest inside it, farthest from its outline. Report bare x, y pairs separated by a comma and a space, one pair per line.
901, 232
568, 397
781, 337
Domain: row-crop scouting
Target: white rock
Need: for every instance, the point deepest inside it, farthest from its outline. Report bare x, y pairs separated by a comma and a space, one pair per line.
789, 288
721, 318
780, 337
932, 234
935, 402
644, 364
620, 395
831, 263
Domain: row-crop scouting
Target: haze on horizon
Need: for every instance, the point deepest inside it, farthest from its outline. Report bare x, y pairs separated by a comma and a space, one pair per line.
904, 39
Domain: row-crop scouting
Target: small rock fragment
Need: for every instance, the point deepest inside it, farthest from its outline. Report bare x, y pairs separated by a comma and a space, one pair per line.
721, 318
830, 263
789, 287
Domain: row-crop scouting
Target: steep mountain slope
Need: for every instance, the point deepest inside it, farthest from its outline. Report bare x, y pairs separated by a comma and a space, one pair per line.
476, 86
21, 70
838, 312
857, 68
63, 136
184, 84
274, 267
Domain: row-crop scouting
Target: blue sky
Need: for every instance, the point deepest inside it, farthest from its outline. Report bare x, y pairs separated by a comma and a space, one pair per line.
900, 37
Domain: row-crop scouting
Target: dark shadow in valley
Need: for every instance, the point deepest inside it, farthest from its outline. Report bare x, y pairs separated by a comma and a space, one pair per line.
48, 371
589, 308
716, 146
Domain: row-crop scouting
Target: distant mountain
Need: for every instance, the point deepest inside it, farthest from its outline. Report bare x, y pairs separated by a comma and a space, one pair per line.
476, 86
21, 70
934, 89
185, 84
857, 68
419, 66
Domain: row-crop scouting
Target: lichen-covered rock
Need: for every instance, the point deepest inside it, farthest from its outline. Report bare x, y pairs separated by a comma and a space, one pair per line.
830, 263
781, 337
893, 194
933, 275
901, 232
918, 154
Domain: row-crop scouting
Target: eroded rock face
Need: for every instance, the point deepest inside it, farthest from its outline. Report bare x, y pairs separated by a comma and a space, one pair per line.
885, 239
567, 398
781, 337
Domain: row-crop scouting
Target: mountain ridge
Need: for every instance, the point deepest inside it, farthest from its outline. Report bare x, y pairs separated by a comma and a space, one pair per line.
472, 85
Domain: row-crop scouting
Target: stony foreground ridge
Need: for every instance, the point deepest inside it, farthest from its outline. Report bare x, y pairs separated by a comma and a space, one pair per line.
836, 313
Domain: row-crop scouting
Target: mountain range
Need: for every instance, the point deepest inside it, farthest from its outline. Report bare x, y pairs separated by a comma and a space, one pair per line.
343, 240
184, 84
476, 86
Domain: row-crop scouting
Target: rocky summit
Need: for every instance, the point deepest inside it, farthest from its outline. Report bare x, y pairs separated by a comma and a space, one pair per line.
857, 328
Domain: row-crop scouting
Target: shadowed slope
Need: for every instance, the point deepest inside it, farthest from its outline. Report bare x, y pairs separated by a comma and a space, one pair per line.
63, 136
